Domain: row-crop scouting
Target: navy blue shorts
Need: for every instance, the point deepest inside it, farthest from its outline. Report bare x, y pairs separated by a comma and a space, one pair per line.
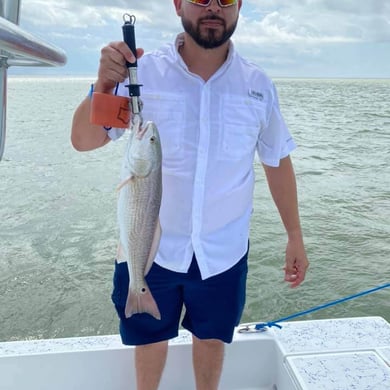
213, 307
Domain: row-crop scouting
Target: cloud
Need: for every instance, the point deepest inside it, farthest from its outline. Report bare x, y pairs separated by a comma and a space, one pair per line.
88, 23
92, 13
286, 36
60, 14
289, 21
276, 28
324, 21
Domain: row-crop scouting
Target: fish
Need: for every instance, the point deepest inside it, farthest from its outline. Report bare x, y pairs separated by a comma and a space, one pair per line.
139, 201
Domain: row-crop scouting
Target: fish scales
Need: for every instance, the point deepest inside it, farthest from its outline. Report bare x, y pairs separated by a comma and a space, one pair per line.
138, 215
143, 203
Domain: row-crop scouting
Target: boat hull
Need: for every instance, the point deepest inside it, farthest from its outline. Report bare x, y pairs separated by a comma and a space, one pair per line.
301, 355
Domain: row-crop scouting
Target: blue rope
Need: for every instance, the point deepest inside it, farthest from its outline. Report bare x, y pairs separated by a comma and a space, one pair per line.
320, 307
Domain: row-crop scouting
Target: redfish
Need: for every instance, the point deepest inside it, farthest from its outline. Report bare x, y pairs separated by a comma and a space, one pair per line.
138, 215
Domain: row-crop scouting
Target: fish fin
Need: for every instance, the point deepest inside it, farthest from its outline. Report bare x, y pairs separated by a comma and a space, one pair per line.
154, 247
124, 182
141, 302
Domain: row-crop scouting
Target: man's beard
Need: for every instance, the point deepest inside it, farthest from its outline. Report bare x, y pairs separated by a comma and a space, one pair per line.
212, 38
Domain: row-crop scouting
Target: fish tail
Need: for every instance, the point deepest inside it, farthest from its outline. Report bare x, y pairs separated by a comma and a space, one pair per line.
141, 302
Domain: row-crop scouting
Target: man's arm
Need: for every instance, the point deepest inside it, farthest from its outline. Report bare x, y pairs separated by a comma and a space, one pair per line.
85, 135
112, 70
282, 184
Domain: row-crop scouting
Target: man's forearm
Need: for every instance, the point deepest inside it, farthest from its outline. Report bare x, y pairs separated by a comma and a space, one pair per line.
85, 135
282, 184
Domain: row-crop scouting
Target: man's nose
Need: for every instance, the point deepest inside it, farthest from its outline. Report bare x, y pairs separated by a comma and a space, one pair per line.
214, 5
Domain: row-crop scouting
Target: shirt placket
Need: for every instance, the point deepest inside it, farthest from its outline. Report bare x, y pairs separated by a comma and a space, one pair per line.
201, 170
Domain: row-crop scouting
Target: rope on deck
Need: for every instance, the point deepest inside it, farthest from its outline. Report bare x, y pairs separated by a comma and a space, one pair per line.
275, 323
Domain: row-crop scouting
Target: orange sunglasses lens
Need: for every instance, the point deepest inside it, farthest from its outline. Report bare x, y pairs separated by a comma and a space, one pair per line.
206, 3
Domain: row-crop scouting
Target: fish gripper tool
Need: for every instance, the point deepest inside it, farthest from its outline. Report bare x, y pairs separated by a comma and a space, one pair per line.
134, 87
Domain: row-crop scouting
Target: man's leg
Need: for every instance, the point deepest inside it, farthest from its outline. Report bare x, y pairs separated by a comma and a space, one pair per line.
149, 364
208, 360
213, 309
142, 330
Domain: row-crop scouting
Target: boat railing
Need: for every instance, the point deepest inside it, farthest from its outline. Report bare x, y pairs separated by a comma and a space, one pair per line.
20, 48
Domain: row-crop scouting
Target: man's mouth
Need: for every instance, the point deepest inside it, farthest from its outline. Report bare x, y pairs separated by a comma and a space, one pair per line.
212, 22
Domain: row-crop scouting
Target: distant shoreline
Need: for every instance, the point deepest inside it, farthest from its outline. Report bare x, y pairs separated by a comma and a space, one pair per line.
93, 77
51, 75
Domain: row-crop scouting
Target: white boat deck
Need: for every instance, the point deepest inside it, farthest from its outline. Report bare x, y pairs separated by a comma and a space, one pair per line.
338, 354
334, 354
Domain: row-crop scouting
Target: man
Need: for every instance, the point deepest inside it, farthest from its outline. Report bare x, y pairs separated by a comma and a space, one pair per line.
214, 110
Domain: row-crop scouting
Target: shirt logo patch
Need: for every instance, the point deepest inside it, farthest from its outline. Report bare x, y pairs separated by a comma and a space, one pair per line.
255, 94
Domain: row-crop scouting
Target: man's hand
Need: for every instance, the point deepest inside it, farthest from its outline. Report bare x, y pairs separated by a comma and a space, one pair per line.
296, 263
112, 68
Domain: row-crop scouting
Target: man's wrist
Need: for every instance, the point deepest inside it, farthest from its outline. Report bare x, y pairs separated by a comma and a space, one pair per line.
295, 234
100, 87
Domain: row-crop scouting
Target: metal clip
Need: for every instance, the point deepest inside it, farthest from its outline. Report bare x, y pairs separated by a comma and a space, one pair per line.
129, 19
252, 328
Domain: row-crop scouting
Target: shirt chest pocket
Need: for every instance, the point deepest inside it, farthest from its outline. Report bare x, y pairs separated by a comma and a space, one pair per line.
168, 113
241, 119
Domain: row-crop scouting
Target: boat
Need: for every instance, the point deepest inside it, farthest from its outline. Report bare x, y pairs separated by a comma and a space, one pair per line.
20, 48
329, 354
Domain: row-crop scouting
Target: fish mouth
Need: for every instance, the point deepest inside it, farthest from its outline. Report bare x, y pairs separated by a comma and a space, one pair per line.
141, 131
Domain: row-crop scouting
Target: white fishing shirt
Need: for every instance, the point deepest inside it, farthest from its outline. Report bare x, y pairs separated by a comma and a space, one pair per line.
209, 133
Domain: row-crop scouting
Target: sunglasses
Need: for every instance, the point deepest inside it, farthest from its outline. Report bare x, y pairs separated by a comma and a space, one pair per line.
206, 3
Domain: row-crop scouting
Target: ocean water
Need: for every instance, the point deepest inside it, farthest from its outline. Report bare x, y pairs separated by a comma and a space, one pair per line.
58, 229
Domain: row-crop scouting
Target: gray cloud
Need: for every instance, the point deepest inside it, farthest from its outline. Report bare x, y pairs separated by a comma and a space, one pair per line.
87, 13
288, 20
326, 20
282, 34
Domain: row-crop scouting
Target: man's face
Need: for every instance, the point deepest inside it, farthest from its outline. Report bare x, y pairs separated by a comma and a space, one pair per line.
210, 26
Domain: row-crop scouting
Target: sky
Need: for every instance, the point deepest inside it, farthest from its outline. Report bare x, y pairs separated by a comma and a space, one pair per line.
286, 38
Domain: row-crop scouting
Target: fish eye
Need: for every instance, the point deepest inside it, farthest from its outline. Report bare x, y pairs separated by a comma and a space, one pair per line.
152, 140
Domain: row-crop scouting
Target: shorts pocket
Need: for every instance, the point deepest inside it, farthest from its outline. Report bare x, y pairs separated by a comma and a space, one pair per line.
120, 284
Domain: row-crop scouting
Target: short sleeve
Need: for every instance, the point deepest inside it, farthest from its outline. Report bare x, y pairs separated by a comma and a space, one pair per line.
275, 141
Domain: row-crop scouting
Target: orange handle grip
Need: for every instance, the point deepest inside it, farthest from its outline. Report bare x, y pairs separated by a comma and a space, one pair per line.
110, 110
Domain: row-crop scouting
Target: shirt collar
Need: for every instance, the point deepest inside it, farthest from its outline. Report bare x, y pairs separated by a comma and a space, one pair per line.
180, 42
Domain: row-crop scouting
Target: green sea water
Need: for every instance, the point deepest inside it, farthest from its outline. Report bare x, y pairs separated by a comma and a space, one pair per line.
58, 229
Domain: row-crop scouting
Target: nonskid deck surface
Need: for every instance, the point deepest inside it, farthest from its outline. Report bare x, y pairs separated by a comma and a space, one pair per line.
273, 387
337, 354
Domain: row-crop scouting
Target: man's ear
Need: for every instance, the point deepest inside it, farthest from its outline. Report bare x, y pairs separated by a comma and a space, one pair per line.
178, 4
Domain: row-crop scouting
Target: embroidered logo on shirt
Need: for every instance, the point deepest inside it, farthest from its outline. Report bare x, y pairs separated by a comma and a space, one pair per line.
257, 95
